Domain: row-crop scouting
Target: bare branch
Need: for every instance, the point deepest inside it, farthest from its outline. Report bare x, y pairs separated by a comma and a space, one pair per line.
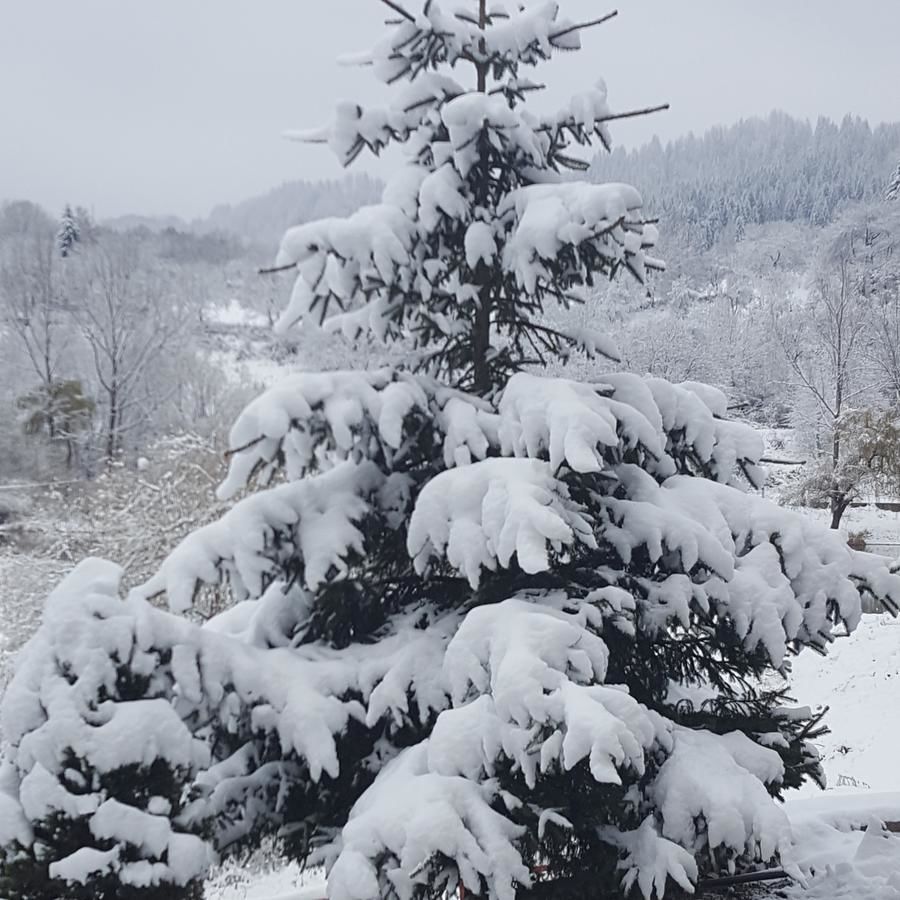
397, 8
632, 113
744, 878
581, 25
273, 270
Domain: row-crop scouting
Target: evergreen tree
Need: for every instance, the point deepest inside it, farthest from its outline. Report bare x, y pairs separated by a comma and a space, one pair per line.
107, 755
493, 628
69, 233
893, 190
60, 410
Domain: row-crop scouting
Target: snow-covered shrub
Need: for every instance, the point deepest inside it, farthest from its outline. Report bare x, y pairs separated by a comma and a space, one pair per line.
492, 629
91, 800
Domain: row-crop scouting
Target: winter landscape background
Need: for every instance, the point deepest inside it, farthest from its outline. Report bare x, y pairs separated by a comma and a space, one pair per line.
130, 344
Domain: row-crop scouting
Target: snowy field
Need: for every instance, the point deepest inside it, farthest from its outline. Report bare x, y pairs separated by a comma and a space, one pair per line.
859, 681
880, 527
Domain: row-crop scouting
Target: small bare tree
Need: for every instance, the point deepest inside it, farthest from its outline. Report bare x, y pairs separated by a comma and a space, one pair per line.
824, 342
34, 313
869, 463
127, 314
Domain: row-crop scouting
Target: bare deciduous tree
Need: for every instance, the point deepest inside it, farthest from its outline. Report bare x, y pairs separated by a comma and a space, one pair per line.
128, 314
824, 339
34, 313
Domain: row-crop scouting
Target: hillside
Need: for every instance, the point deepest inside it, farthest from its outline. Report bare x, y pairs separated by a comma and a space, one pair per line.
755, 172
262, 220
706, 187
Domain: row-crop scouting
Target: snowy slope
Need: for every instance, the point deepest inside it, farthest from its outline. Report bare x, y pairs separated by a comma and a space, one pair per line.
860, 681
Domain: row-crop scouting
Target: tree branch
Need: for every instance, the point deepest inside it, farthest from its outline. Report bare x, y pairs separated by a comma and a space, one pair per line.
632, 113
397, 8
745, 878
275, 269
558, 34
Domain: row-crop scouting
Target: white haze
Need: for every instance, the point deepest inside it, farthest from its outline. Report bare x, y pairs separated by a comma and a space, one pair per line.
172, 107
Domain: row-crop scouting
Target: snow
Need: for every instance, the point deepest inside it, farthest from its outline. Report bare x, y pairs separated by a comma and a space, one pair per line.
542, 669
880, 527
480, 244
14, 825
650, 860
858, 680
281, 419
79, 866
842, 848
286, 883
310, 420
482, 514
410, 814
315, 518
478, 684
233, 313
727, 793
551, 218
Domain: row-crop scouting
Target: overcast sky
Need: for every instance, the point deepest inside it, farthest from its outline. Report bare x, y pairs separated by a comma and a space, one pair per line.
159, 106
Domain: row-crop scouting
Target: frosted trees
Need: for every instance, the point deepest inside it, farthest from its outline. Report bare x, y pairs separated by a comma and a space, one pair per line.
840, 342
492, 628
824, 346
34, 313
893, 188
69, 233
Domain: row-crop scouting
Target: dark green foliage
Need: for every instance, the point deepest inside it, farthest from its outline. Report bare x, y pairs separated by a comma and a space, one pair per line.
59, 410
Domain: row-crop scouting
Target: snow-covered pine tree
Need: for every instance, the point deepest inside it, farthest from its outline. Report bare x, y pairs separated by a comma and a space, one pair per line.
893, 189
493, 628
69, 233
102, 757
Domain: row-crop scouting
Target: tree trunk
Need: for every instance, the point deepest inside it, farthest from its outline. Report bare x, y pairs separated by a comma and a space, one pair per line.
112, 424
481, 343
481, 333
838, 508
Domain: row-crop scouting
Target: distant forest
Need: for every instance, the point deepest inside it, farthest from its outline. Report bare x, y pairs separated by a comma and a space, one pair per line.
777, 169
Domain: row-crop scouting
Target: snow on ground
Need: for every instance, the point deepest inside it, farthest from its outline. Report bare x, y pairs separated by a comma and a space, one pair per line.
233, 313
860, 681
255, 373
880, 526
840, 840
23, 586
287, 883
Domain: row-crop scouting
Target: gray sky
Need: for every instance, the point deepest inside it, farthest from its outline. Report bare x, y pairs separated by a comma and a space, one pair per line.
176, 105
